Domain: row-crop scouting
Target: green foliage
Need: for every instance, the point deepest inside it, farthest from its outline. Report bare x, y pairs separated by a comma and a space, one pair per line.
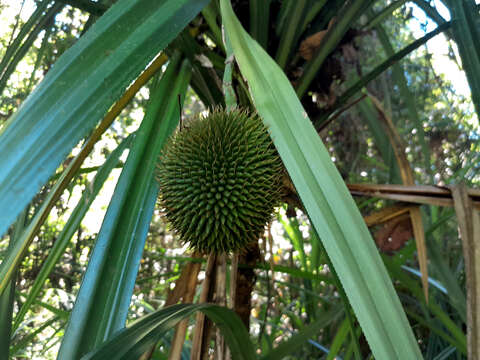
132, 342
325, 197
308, 300
120, 242
220, 179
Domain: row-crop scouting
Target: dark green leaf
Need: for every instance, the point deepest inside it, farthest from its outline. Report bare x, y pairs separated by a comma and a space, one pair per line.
79, 89
104, 297
330, 207
63, 239
131, 342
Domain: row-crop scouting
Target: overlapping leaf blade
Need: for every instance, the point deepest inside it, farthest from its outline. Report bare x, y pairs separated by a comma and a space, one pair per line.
131, 342
63, 239
325, 196
300, 338
78, 90
7, 297
104, 297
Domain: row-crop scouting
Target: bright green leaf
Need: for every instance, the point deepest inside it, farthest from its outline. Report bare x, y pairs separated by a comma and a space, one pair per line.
326, 198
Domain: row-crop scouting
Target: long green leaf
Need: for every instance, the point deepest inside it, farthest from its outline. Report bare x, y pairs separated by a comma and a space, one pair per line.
227, 85
15, 254
298, 340
338, 340
370, 116
430, 11
63, 239
447, 276
7, 297
361, 83
292, 228
39, 57
24, 31
79, 89
60, 312
104, 297
27, 340
326, 198
399, 274
23, 49
210, 13
93, 7
344, 21
315, 7
6, 312
387, 11
400, 80
131, 342
445, 353
260, 20
290, 32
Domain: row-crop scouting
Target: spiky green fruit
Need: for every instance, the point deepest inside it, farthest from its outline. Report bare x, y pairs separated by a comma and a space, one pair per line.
220, 179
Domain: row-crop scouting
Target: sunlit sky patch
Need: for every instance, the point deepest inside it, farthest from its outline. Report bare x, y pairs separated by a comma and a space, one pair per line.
438, 46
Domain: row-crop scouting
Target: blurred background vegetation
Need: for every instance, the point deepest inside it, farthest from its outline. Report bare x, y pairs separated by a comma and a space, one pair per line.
426, 94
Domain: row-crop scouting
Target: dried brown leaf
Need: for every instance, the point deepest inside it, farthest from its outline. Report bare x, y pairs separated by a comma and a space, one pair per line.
394, 234
386, 214
469, 224
309, 46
